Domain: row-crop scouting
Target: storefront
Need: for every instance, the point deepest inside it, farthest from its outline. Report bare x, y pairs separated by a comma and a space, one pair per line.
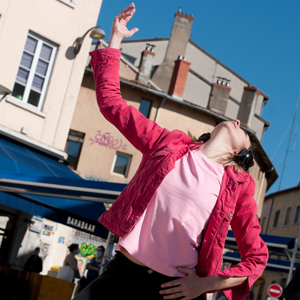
38, 185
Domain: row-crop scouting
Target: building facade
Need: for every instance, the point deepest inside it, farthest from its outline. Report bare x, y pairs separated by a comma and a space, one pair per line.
39, 83
177, 84
280, 217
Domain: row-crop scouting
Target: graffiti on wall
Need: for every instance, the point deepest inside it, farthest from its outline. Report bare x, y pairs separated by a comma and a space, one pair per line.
94, 178
108, 141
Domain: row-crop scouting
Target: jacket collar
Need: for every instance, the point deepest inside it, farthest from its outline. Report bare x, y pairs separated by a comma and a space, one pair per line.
237, 176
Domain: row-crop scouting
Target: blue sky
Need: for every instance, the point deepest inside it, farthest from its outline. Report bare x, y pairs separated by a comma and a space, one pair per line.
260, 40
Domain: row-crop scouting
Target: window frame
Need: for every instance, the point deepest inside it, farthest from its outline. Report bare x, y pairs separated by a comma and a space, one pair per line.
127, 167
80, 149
295, 214
277, 210
32, 70
149, 107
289, 207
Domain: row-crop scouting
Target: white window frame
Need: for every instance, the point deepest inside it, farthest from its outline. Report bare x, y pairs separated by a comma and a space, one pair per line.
36, 58
273, 227
295, 215
127, 168
291, 207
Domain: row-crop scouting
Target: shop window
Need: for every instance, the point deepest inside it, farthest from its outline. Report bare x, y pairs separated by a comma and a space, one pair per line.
287, 216
145, 108
297, 215
276, 218
73, 147
121, 164
34, 71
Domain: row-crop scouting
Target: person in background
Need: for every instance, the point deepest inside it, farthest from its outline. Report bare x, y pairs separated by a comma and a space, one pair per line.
34, 263
94, 267
291, 292
71, 261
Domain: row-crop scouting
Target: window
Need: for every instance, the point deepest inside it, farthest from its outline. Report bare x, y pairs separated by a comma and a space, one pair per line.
73, 147
145, 108
34, 71
276, 218
297, 215
287, 216
121, 164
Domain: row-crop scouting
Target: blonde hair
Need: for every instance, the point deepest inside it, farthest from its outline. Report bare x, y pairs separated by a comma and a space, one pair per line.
226, 161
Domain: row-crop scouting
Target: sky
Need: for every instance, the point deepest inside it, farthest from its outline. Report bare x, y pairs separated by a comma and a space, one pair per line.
259, 39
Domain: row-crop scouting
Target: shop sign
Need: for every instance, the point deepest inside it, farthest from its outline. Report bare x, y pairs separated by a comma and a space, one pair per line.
37, 224
61, 240
80, 224
47, 227
87, 249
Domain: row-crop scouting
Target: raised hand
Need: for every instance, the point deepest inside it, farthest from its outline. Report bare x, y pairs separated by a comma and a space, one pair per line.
119, 30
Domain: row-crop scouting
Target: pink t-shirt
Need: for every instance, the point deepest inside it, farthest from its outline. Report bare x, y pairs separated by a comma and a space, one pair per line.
170, 230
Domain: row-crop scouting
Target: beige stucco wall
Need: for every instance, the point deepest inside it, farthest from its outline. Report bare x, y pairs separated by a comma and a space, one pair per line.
283, 200
96, 161
61, 24
260, 187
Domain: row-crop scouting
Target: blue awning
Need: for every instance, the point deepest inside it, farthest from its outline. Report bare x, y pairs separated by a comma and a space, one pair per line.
275, 243
42, 186
276, 265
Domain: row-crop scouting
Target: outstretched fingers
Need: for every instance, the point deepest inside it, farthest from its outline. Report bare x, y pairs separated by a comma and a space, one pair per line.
126, 10
133, 31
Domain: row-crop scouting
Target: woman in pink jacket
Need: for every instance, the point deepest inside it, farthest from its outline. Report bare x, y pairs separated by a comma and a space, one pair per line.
173, 217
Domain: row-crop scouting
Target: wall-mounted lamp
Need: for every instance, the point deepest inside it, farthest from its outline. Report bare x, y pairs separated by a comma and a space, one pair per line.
96, 34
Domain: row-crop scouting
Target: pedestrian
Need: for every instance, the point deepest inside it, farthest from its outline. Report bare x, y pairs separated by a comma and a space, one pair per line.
34, 263
292, 290
172, 218
69, 270
93, 267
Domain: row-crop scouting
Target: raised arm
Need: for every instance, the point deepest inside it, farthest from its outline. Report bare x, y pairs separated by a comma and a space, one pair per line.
139, 130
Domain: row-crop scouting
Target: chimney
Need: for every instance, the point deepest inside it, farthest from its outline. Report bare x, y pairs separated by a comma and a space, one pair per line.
247, 107
146, 64
219, 95
178, 41
179, 77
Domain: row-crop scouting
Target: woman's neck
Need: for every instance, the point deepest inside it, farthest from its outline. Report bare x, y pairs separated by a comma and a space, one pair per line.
215, 151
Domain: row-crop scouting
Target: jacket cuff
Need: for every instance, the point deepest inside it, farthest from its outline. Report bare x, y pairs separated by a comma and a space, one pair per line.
240, 291
99, 55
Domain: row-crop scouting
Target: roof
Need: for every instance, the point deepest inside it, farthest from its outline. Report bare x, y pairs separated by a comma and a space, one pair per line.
261, 156
139, 83
295, 188
266, 97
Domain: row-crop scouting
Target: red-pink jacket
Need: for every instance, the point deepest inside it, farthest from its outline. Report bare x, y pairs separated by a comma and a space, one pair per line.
161, 148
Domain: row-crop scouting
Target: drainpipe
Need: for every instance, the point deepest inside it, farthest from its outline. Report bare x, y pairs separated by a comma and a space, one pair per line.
160, 106
292, 262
